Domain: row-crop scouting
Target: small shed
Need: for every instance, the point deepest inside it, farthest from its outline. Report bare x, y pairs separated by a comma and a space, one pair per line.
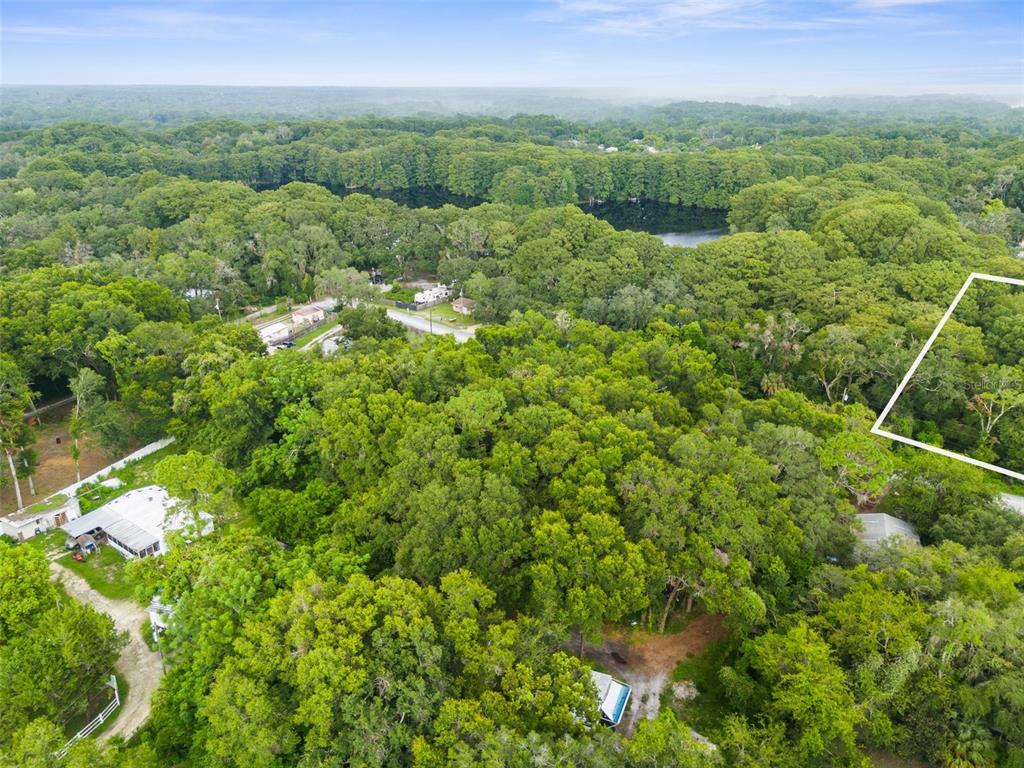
612, 695
1012, 502
878, 526
160, 615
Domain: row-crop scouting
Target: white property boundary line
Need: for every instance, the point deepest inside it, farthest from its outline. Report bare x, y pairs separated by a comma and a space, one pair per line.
877, 428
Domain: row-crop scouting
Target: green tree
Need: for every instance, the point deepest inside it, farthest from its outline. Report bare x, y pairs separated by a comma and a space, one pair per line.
87, 389
587, 573
15, 402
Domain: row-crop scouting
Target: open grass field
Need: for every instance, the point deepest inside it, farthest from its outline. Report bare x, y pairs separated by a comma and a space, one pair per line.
708, 710
305, 338
105, 572
445, 314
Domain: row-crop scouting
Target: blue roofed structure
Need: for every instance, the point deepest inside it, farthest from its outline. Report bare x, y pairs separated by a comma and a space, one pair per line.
613, 696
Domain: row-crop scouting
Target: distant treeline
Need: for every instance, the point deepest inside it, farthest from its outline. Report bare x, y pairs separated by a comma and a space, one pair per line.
534, 161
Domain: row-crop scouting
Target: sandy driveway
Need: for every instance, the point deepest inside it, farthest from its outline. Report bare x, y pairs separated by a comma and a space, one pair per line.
646, 661
136, 664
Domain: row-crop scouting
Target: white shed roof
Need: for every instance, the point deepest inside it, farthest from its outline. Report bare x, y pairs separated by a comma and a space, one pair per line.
613, 695
879, 526
1013, 501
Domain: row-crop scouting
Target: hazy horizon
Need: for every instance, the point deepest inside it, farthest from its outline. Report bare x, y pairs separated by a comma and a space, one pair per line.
723, 50
620, 96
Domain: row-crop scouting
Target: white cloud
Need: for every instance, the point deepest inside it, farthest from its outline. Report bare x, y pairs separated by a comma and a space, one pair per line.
893, 3
675, 17
146, 20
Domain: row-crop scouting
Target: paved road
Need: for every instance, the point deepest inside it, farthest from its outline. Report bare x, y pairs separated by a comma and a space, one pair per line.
423, 325
136, 664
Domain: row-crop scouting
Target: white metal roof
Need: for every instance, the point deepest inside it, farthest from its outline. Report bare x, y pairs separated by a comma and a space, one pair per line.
879, 526
137, 518
613, 695
1013, 501
274, 330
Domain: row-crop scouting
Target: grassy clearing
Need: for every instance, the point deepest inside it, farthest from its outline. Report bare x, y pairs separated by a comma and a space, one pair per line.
881, 759
48, 542
56, 469
310, 335
105, 572
445, 314
136, 475
710, 708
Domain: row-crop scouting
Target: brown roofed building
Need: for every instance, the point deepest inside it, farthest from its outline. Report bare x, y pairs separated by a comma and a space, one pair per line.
463, 305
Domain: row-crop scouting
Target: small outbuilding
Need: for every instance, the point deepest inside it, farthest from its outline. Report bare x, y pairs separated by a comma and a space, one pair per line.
41, 516
310, 315
160, 615
463, 306
878, 526
613, 696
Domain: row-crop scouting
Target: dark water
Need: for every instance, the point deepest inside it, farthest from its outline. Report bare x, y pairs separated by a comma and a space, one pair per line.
674, 224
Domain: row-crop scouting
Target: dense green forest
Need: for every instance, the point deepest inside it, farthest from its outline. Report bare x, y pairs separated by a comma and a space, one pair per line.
415, 538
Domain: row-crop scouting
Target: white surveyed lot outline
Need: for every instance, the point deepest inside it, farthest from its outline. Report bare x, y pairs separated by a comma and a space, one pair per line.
877, 428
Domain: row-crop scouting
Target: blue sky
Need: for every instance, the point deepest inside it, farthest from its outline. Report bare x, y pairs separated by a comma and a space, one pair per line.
689, 48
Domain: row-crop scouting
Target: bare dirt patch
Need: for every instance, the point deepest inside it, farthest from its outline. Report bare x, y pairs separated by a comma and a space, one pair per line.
646, 661
56, 467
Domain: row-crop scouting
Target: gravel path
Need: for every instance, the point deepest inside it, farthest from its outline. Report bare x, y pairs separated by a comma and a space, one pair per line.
138, 665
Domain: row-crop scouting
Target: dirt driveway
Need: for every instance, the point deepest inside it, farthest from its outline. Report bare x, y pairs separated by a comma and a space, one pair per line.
137, 664
646, 661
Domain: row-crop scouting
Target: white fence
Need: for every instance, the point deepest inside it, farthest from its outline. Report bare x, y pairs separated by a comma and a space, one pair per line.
145, 450
96, 722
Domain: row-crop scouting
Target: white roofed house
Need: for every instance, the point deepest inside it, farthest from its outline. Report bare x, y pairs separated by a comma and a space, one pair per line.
275, 332
135, 523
